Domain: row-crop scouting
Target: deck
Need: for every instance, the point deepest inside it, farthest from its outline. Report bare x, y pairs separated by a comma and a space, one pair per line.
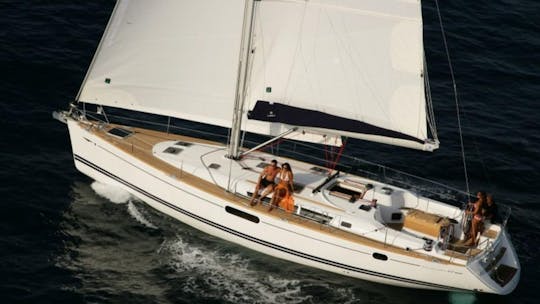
140, 143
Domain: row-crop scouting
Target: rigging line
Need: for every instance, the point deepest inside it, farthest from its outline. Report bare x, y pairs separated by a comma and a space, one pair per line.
455, 97
336, 160
479, 153
271, 145
431, 113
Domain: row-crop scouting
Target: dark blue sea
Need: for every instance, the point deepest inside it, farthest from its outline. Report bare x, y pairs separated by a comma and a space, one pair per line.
64, 239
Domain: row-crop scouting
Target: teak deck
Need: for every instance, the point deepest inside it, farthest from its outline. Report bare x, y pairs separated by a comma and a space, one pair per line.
139, 144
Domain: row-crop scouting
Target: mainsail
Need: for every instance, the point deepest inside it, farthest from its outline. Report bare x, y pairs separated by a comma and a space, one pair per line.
353, 68
345, 68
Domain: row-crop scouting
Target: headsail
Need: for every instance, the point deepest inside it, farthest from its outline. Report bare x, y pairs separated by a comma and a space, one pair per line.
353, 68
169, 57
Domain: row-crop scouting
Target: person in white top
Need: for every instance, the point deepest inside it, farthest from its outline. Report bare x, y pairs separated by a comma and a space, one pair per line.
284, 188
286, 176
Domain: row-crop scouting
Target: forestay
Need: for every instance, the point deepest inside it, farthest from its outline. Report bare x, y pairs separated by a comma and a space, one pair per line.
353, 68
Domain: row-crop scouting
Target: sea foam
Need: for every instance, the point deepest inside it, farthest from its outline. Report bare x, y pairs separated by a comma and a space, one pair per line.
137, 215
228, 276
112, 193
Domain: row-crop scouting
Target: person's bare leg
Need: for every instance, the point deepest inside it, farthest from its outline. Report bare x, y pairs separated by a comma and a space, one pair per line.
479, 230
253, 201
279, 194
474, 231
273, 203
265, 192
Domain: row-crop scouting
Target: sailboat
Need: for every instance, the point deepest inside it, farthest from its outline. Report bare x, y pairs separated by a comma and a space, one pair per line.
302, 72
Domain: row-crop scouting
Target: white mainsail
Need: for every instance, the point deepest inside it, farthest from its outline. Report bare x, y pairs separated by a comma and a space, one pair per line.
354, 65
341, 62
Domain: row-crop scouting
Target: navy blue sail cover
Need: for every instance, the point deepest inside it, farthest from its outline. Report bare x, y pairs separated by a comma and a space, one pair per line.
278, 112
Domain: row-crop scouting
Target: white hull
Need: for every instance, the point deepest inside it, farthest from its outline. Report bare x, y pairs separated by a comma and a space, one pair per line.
272, 235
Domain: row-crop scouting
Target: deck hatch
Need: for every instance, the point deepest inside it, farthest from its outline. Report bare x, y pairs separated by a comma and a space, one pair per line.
183, 144
172, 150
214, 166
119, 132
345, 193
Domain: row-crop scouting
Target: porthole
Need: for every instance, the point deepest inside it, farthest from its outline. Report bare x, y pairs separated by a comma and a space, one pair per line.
380, 256
242, 214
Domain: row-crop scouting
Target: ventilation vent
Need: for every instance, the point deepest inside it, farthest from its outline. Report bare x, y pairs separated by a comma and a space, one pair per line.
346, 225
214, 166
172, 150
183, 144
119, 132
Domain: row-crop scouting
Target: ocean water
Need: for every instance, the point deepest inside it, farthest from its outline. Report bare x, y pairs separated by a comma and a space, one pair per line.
67, 239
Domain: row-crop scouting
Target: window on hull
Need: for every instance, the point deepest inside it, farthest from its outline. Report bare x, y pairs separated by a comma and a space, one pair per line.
242, 214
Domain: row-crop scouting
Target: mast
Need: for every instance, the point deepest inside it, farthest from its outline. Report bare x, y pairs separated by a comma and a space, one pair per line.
242, 80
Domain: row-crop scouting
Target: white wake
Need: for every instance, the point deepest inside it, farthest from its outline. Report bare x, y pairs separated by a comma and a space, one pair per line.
227, 276
112, 193
134, 212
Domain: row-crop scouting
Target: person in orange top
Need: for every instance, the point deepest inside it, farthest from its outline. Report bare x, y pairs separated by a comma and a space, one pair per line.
284, 190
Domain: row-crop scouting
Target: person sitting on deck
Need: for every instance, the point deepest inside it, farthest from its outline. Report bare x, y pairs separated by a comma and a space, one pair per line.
284, 190
477, 219
265, 182
490, 209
